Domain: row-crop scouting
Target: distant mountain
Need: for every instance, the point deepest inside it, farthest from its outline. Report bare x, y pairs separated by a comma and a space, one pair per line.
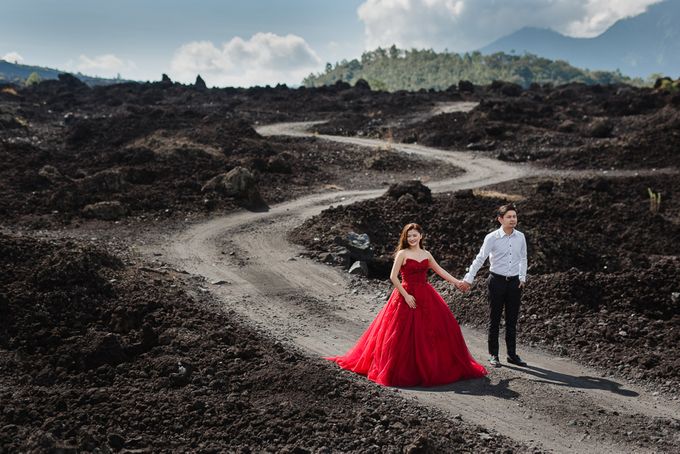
17, 73
638, 46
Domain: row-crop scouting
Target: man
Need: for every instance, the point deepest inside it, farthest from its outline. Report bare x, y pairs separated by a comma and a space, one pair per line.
506, 249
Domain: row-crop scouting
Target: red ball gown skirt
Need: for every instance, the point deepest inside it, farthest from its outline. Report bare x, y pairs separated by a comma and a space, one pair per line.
413, 347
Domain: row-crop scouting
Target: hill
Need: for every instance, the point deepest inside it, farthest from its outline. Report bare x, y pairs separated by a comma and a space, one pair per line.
395, 69
17, 73
638, 46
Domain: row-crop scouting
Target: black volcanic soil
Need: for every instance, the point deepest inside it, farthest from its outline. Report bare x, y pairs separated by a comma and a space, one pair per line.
90, 340
604, 284
155, 160
570, 126
98, 354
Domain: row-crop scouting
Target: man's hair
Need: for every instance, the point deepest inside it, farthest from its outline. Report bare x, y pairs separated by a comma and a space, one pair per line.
505, 208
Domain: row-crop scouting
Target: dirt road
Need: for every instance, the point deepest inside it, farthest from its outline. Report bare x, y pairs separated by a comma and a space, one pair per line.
554, 405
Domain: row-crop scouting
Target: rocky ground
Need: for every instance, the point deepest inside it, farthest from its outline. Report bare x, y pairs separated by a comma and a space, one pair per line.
92, 337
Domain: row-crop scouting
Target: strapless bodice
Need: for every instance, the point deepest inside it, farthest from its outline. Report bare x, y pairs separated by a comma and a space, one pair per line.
414, 272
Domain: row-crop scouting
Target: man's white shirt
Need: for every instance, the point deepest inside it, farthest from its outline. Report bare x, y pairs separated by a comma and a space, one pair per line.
507, 255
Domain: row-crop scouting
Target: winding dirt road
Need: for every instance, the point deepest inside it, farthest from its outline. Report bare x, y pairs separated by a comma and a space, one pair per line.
554, 405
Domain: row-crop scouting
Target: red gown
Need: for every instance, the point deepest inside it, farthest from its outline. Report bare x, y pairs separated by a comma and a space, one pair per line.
413, 347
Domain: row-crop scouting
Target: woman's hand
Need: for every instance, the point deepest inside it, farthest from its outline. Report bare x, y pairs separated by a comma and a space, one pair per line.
410, 300
462, 286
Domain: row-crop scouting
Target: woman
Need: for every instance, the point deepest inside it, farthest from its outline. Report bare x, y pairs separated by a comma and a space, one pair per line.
415, 340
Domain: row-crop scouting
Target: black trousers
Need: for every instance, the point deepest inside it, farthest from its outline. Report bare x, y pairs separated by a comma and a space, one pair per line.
504, 295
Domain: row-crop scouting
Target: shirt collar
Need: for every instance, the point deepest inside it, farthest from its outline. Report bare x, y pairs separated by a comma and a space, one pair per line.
500, 233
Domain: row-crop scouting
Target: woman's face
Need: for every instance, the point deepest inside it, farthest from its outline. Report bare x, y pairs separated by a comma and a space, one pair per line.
413, 237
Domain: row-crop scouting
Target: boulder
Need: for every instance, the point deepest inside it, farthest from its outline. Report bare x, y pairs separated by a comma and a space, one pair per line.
8, 121
506, 88
358, 246
599, 128
361, 84
103, 348
71, 81
107, 211
545, 187
240, 184
359, 268
466, 86
566, 126
464, 194
106, 181
279, 163
53, 175
340, 85
418, 190
200, 83
407, 200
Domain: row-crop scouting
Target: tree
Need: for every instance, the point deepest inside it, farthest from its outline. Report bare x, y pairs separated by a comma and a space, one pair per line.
414, 69
32, 79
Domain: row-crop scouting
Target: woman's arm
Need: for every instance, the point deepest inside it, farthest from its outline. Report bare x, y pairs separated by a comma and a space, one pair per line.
394, 277
434, 266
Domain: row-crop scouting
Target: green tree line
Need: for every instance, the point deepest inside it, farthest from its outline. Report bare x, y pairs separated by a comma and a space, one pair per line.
398, 69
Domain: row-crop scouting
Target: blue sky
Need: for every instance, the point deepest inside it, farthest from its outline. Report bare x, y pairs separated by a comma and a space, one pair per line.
269, 41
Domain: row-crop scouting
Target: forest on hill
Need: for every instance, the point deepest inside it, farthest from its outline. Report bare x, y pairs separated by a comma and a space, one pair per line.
395, 69
20, 74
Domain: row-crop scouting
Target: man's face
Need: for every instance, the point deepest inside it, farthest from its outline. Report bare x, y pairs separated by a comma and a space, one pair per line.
508, 220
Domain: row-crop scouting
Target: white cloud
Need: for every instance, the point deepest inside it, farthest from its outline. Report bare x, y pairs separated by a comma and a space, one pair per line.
13, 57
601, 14
264, 59
463, 25
107, 65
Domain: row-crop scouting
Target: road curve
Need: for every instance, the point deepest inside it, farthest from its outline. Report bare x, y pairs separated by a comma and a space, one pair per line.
256, 272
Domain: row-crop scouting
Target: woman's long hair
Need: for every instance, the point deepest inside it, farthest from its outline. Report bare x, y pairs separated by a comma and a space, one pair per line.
403, 241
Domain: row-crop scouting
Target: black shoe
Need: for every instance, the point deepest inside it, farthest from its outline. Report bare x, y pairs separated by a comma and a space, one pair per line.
494, 361
516, 360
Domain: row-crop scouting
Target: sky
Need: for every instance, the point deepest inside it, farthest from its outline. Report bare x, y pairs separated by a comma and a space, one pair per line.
260, 42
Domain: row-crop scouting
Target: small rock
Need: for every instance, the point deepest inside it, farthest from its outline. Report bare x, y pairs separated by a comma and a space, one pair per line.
108, 211
359, 268
116, 441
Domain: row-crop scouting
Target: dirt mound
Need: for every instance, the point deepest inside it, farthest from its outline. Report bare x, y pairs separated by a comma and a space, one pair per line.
596, 248
97, 355
639, 141
108, 132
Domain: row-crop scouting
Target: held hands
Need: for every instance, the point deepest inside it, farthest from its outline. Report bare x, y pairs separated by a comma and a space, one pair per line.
462, 285
410, 300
